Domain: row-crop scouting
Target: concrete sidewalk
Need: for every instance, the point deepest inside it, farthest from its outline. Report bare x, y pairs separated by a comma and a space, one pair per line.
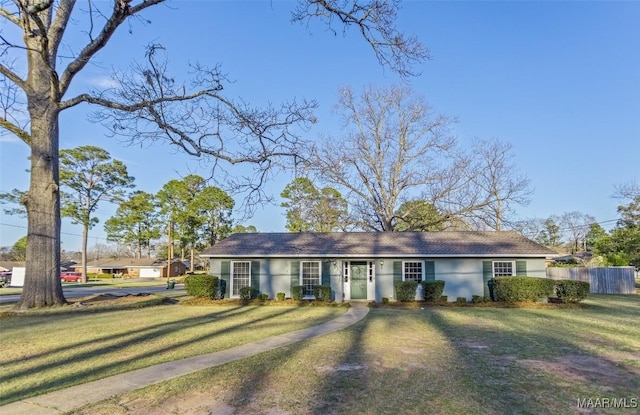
66, 400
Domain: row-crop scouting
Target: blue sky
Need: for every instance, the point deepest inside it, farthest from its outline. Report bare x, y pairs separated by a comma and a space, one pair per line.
560, 81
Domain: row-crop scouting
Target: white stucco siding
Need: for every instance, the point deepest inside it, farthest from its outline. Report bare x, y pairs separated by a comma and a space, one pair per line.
462, 277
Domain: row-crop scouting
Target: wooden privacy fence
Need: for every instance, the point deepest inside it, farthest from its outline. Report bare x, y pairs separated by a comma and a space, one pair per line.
603, 280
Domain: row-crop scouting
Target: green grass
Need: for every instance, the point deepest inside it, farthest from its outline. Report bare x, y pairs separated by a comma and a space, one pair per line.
436, 360
42, 353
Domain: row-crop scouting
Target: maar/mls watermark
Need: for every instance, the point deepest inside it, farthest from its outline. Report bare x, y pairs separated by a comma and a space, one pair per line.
608, 402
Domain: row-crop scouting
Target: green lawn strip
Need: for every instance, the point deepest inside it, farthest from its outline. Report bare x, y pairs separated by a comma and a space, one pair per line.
10, 290
439, 360
50, 352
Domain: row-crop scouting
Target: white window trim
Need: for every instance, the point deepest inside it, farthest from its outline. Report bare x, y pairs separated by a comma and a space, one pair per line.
310, 297
493, 268
232, 279
422, 267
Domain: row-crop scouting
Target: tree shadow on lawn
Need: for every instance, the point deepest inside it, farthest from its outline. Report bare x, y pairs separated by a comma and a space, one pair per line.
436, 361
410, 361
356, 370
160, 327
108, 367
530, 363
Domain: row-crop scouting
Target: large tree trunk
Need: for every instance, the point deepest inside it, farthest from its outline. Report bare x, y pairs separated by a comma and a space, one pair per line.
42, 285
42, 278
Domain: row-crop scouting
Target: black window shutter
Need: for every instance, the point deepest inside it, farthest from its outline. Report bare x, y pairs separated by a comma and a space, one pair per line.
225, 274
487, 274
430, 271
326, 273
295, 274
397, 275
255, 274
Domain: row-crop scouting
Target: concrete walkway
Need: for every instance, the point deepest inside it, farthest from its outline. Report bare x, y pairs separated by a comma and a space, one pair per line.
66, 400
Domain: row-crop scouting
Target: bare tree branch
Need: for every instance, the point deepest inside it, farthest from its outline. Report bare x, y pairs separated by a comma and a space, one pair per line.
121, 10
628, 190
10, 108
393, 148
12, 17
59, 24
375, 19
12, 76
150, 105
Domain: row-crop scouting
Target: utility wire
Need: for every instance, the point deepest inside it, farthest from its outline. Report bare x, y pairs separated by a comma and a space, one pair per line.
62, 233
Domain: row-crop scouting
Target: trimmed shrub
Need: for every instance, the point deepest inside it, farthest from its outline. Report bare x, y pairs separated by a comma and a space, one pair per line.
444, 299
201, 285
385, 300
406, 291
263, 297
461, 300
476, 299
522, 289
432, 290
298, 292
280, 296
322, 293
248, 293
570, 291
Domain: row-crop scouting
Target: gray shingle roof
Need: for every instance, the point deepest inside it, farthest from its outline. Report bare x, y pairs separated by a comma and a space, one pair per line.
378, 244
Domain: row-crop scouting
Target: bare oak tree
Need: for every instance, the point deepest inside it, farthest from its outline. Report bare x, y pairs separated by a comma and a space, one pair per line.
392, 146
397, 150
576, 226
495, 176
147, 104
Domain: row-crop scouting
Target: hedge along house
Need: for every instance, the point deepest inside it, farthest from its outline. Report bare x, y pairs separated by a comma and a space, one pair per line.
367, 265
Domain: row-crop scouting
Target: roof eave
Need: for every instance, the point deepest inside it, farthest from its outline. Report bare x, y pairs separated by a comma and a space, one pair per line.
345, 256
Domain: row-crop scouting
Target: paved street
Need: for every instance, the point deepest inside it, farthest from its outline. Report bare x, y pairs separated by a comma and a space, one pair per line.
76, 291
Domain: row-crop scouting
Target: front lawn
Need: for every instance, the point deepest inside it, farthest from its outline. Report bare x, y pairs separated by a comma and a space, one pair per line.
42, 352
436, 360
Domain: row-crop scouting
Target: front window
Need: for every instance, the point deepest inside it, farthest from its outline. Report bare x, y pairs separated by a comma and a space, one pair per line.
413, 271
310, 276
240, 276
503, 269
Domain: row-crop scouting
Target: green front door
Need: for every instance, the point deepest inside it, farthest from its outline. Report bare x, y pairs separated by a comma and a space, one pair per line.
358, 280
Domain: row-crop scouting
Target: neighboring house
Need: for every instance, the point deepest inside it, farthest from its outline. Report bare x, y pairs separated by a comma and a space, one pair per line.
577, 258
7, 266
67, 265
135, 268
367, 265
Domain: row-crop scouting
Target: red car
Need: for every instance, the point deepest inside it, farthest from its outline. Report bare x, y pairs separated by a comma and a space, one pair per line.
71, 276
